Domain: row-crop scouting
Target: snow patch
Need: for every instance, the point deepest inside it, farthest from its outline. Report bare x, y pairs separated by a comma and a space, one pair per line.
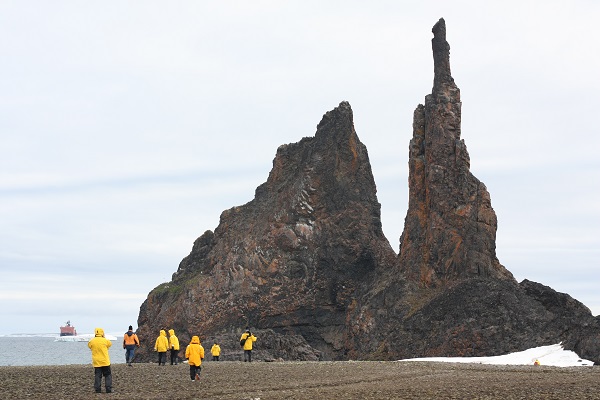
554, 355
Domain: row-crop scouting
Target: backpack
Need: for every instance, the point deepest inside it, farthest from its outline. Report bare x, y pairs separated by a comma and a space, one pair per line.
243, 341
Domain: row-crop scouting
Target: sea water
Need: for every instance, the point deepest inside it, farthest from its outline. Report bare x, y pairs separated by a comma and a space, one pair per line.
45, 350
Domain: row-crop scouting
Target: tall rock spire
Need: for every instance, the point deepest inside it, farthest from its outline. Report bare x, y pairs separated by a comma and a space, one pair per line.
450, 226
441, 55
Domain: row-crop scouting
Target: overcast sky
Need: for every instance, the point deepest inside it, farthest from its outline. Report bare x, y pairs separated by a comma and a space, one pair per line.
127, 127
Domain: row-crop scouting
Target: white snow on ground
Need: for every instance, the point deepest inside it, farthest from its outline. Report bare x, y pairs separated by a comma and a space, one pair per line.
554, 355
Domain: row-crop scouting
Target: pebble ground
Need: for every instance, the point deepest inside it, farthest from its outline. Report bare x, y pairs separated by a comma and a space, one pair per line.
306, 380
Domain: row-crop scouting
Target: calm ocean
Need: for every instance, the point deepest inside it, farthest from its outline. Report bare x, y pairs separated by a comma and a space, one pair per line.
44, 350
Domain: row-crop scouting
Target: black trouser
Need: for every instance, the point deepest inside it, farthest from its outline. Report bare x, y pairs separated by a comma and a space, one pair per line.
98, 373
162, 357
194, 370
215, 358
248, 355
174, 356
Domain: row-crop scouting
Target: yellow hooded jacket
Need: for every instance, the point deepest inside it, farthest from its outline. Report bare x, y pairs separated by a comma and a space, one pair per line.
173, 341
195, 352
99, 346
215, 350
250, 338
162, 343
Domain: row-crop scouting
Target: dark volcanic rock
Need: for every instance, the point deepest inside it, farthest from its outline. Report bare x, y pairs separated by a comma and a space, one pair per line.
270, 346
457, 298
295, 258
569, 320
479, 317
450, 226
306, 264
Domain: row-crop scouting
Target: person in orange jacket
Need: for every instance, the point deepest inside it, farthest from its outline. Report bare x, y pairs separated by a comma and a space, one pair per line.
161, 345
194, 352
130, 342
100, 360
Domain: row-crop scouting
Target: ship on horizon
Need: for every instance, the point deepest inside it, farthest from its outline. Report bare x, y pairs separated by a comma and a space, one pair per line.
68, 330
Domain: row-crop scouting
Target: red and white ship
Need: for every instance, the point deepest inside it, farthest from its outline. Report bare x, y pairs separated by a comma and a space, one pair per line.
68, 330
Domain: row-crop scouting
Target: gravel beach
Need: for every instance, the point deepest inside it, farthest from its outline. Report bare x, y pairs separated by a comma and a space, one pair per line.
307, 380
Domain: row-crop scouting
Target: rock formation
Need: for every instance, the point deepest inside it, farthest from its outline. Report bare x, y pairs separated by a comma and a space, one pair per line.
450, 227
295, 257
306, 264
456, 298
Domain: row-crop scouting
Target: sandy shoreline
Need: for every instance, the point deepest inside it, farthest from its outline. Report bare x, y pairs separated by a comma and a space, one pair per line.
307, 380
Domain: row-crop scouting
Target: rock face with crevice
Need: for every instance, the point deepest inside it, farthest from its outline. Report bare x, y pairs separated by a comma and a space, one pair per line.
306, 264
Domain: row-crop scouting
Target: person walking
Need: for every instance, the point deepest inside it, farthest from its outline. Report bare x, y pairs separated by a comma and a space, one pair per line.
246, 342
173, 346
99, 346
130, 342
215, 350
161, 345
194, 352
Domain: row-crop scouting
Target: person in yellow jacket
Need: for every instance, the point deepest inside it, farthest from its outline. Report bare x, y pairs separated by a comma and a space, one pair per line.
100, 360
246, 341
215, 350
173, 346
194, 352
161, 346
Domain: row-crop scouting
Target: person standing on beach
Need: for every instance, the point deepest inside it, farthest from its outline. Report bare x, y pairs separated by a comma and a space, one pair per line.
161, 345
100, 360
130, 342
215, 350
246, 342
173, 346
194, 352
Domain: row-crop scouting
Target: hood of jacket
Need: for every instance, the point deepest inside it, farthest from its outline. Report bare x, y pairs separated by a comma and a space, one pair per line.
99, 332
171, 332
195, 340
163, 333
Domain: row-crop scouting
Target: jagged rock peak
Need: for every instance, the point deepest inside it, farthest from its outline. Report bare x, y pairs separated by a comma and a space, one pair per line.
293, 259
342, 114
450, 226
441, 55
